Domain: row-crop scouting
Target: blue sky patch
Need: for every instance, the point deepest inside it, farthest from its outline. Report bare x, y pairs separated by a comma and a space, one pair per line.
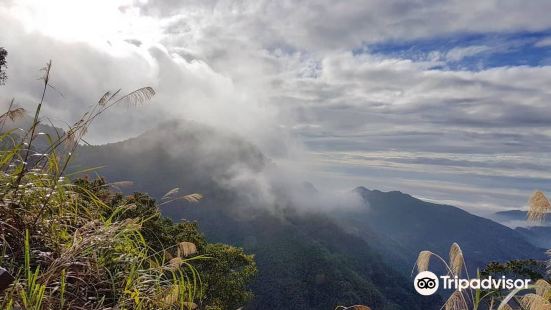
471, 51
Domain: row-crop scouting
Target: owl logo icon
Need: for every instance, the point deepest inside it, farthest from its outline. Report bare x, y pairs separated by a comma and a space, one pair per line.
426, 283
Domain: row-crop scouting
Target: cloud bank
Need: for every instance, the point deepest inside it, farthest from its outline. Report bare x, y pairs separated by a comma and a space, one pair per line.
347, 94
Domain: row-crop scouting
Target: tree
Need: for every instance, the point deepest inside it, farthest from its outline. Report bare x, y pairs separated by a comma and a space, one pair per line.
225, 275
3, 56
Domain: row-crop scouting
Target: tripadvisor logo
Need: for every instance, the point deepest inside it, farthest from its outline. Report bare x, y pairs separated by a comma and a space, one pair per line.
426, 283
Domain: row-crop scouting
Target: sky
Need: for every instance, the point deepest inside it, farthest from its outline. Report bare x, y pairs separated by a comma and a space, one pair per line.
445, 100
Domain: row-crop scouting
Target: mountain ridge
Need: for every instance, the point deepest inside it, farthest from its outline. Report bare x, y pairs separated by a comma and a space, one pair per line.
346, 242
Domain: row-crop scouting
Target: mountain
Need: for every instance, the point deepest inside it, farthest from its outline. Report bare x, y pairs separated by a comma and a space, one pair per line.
306, 259
518, 217
539, 236
188, 155
413, 225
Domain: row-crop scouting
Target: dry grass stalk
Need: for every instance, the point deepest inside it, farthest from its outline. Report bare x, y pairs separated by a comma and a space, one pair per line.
355, 307
195, 197
121, 185
186, 249
543, 288
136, 97
456, 302
172, 299
172, 196
535, 302
175, 263
189, 305
505, 307
423, 261
456, 259
171, 193
12, 115
539, 207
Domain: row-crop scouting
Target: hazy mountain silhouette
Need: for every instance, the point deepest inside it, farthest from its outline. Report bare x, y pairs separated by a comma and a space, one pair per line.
539, 236
414, 225
517, 215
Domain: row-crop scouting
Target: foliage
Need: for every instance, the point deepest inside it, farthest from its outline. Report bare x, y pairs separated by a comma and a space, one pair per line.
226, 273
496, 298
522, 269
227, 276
80, 245
306, 261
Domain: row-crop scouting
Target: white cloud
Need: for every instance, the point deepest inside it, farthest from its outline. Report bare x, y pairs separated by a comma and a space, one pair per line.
543, 42
327, 25
272, 70
458, 53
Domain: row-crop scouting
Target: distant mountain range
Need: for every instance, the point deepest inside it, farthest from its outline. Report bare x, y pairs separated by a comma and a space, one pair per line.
414, 225
517, 215
306, 259
539, 235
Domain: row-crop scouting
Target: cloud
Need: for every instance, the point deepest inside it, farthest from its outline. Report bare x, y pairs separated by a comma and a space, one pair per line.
82, 72
405, 120
327, 25
303, 80
458, 53
543, 42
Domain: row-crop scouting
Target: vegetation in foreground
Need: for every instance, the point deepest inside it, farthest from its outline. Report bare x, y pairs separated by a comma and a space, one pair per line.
536, 297
81, 245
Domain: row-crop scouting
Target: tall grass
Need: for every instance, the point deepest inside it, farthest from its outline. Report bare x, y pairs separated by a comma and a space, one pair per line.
539, 295
66, 247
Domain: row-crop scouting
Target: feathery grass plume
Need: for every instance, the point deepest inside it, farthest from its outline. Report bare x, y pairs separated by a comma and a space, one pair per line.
104, 98
175, 263
195, 197
13, 115
137, 97
172, 196
189, 305
172, 299
172, 296
121, 184
456, 302
423, 261
171, 193
505, 307
534, 302
456, 259
543, 288
186, 249
355, 307
539, 207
